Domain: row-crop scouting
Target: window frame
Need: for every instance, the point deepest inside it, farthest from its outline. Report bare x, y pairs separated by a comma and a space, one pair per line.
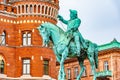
3, 38
2, 69
31, 9
26, 40
76, 72
69, 73
46, 67
106, 65
27, 69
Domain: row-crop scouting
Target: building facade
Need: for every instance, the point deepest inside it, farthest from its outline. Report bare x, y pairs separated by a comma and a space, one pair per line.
21, 51
109, 64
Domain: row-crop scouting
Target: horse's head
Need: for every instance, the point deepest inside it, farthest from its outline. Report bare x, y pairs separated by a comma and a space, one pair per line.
44, 33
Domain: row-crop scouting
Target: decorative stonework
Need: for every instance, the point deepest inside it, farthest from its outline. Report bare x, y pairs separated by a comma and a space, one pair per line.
21, 21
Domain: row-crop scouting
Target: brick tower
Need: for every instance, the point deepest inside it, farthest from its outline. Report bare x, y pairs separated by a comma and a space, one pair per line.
21, 52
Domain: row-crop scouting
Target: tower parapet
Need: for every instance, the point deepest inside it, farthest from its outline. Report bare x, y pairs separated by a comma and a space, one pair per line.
33, 8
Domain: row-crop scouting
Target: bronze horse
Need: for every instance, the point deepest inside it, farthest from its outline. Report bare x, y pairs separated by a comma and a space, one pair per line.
64, 47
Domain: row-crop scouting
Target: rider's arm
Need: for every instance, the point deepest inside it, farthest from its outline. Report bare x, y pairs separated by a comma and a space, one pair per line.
77, 23
62, 19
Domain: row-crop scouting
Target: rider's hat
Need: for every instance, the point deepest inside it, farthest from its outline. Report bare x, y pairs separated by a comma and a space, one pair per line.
73, 11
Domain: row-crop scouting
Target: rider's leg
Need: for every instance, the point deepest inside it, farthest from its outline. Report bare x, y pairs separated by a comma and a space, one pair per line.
82, 41
77, 42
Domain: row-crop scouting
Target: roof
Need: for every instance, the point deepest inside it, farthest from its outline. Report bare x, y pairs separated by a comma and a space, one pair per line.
113, 44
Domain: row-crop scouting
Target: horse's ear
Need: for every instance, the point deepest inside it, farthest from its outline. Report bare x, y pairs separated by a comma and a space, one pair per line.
42, 26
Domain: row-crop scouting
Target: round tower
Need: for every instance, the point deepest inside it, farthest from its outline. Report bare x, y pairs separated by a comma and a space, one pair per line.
39, 10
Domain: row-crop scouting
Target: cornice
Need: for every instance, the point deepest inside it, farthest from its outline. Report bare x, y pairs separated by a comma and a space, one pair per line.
109, 51
112, 44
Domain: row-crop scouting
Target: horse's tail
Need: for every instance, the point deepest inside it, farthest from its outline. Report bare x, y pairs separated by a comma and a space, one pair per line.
96, 55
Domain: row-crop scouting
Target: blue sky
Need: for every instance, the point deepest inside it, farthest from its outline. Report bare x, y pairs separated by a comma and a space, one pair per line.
100, 18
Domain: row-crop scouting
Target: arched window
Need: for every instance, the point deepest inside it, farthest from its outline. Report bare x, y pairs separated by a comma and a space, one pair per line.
43, 9
49, 11
35, 8
46, 10
3, 38
26, 38
31, 9
1, 65
39, 9
19, 9
52, 12
27, 9
23, 9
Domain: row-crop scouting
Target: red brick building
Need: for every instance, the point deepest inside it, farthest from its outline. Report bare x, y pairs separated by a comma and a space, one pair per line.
21, 51
109, 64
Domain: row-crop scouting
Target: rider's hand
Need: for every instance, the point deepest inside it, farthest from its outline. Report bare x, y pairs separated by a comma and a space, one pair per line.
60, 17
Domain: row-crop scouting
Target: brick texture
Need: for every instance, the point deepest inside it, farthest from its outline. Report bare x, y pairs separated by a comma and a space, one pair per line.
14, 52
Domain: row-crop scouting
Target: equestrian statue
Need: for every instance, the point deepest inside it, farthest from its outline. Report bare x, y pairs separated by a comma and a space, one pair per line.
70, 44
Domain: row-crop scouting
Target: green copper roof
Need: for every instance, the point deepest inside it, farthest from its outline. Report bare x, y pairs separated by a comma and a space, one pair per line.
104, 73
112, 44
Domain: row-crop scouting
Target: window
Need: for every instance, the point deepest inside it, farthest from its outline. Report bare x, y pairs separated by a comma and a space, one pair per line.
46, 67
3, 38
69, 74
30, 8
27, 9
43, 9
26, 39
84, 73
46, 9
91, 71
1, 65
26, 66
106, 66
76, 72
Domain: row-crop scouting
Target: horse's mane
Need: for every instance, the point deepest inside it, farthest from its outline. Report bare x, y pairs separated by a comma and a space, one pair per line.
52, 26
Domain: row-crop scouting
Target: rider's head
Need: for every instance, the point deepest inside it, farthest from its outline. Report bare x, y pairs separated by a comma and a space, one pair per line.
73, 14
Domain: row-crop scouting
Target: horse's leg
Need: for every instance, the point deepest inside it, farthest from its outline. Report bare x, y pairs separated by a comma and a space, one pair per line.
92, 63
58, 57
64, 56
82, 68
